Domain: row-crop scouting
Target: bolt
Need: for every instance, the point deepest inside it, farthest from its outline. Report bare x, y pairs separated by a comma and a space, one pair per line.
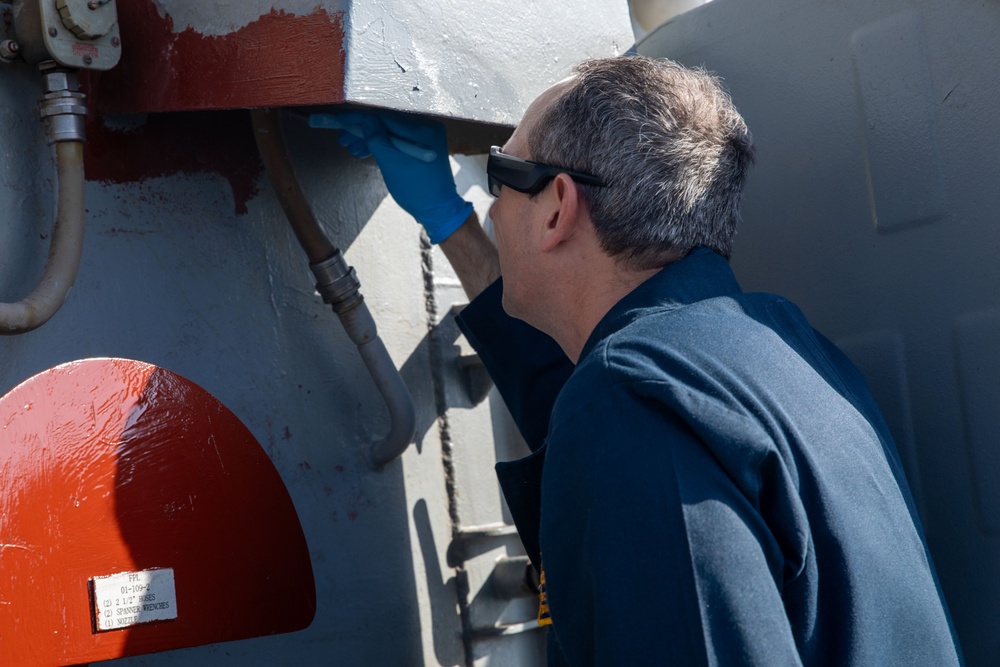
115, 41
87, 60
9, 48
53, 32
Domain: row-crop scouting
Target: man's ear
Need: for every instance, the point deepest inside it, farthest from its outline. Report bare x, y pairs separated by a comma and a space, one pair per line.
565, 199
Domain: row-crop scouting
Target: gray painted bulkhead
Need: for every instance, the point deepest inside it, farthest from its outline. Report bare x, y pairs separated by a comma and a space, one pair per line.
874, 207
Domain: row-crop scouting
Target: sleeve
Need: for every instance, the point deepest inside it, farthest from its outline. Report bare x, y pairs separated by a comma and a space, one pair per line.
527, 366
651, 553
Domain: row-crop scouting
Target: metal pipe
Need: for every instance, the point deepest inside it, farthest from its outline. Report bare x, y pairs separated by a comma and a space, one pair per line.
63, 110
338, 284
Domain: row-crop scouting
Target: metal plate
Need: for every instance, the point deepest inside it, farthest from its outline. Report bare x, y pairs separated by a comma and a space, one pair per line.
130, 598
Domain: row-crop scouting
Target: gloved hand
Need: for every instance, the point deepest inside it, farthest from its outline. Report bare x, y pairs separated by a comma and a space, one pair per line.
412, 153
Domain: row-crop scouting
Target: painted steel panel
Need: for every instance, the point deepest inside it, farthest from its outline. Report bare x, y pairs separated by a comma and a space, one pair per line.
116, 467
442, 57
189, 263
278, 59
873, 206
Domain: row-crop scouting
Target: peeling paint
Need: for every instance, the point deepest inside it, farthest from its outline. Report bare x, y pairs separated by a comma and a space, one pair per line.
134, 149
221, 17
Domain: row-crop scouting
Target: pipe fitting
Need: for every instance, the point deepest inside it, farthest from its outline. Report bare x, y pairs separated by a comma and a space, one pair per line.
63, 108
337, 283
64, 254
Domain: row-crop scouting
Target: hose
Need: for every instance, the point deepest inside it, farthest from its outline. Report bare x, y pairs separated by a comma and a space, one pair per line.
339, 286
62, 110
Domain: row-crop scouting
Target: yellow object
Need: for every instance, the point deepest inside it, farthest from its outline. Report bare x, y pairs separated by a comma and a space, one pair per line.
543, 601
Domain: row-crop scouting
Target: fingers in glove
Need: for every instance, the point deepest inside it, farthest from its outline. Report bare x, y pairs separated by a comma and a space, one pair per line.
358, 147
419, 130
362, 124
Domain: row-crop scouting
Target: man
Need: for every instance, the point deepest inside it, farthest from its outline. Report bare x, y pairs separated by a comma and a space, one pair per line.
711, 481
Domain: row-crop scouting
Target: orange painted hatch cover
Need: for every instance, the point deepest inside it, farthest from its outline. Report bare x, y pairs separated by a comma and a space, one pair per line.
138, 514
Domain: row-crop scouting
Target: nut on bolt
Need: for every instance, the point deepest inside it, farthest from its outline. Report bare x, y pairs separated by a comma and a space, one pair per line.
63, 108
9, 49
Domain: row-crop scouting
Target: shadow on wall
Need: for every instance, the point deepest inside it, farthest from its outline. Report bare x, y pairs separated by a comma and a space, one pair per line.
454, 382
136, 148
241, 572
194, 492
113, 466
441, 592
116, 467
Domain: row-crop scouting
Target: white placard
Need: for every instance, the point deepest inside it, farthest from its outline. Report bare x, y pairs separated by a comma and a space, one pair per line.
130, 598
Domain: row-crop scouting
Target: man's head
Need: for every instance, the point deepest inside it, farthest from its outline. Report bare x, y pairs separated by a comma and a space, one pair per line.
669, 143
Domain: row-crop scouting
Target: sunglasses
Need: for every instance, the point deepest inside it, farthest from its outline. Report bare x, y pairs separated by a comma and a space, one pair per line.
526, 176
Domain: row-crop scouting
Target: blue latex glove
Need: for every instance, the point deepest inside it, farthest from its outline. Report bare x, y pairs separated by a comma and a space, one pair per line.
412, 153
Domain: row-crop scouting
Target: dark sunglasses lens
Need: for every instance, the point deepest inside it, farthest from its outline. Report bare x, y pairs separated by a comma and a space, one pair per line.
494, 185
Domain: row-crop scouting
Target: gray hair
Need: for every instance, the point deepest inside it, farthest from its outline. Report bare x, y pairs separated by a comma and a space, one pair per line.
669, 143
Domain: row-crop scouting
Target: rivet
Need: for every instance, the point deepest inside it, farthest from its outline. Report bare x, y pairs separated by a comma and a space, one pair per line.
87, 60
115, 41
53, 32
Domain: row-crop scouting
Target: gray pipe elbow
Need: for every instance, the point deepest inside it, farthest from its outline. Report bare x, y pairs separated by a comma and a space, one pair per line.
402, 415
361, 328
339, 286
64, 253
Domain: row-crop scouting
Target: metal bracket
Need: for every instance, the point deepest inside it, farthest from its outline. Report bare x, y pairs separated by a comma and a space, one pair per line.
504, 630
78, 34
465, 543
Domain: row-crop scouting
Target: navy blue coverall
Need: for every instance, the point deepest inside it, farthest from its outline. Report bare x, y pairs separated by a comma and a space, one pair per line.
712, 484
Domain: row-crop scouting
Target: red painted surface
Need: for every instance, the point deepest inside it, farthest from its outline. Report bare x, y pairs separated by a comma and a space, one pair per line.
112, 466
279, 60
219, 142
